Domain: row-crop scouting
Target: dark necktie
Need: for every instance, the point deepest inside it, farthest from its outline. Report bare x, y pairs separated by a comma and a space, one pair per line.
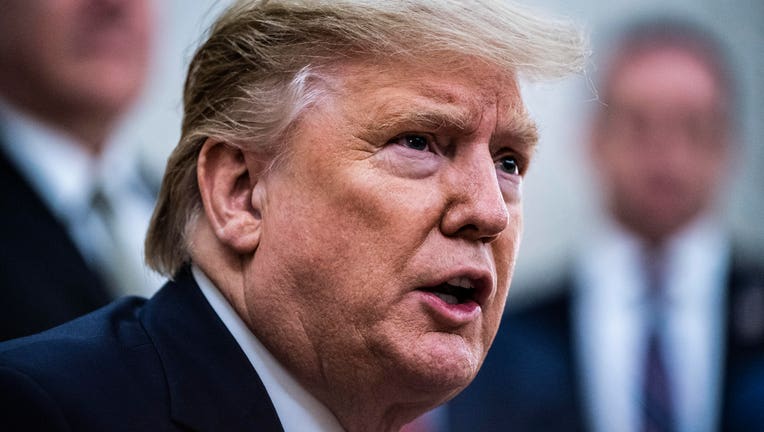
657, 403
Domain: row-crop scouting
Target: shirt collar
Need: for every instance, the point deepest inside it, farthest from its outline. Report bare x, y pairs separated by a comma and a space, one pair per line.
607, 267
297, 409
699, 252
60, 170
698, 257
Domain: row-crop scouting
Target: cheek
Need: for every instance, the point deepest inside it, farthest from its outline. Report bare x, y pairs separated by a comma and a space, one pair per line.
709, 167
623, 174
406, 163
505, 251
382, 213
511, 187
347, 232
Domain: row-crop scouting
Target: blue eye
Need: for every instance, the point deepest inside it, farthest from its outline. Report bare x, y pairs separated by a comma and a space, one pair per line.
509, 164
413, 141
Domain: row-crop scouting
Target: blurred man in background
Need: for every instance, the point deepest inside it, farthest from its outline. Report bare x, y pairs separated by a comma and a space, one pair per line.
74, 207
660, 324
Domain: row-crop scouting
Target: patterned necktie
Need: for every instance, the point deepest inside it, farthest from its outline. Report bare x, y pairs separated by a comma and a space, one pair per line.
657, 403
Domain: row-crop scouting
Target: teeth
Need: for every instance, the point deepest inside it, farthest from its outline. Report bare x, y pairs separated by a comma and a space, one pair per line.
447, 298
461, 282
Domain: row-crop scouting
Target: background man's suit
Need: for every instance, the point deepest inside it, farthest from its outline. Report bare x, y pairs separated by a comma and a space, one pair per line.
44, 280
530, 381
168, 361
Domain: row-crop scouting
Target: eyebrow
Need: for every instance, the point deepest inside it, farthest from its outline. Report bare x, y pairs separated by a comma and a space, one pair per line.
435, 119
521, 131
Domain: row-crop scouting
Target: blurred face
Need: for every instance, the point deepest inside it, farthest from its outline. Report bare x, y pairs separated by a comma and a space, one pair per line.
662, 144
59, 57
390, 232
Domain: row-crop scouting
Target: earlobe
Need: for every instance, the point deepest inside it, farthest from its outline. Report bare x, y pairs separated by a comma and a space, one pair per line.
226, 183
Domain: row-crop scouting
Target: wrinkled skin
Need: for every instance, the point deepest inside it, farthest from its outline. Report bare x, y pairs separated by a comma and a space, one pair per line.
401, 178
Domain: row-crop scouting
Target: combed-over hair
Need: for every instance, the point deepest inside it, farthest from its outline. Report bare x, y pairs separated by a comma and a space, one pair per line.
261, 67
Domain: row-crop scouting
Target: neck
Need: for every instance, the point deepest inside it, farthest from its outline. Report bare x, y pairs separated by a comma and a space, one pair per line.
362, 400
90, 130
354, 392
89, 126
653, 235
357, 414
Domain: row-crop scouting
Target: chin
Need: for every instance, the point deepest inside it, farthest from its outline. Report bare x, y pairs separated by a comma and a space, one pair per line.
442, 364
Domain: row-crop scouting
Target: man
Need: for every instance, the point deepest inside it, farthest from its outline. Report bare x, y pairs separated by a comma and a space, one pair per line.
340, 218
74, 206
659, 323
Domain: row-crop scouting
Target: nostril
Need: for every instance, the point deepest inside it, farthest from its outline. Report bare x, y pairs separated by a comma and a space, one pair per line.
472, 232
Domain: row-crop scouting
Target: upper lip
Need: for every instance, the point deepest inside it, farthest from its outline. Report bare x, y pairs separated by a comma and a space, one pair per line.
480, 280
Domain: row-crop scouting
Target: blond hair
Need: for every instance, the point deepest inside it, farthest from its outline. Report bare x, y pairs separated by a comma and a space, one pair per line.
260, 67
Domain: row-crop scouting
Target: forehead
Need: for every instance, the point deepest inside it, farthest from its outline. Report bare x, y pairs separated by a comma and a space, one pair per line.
664, 76
464, 92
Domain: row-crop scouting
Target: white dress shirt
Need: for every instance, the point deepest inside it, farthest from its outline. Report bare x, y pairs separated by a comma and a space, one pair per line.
297, 409
65, 176
611, 321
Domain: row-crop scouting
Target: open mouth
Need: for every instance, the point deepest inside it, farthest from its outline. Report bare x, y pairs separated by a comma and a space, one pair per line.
455, 291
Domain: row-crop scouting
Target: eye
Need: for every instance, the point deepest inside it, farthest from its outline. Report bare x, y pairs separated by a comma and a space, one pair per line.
418, 142
509, 165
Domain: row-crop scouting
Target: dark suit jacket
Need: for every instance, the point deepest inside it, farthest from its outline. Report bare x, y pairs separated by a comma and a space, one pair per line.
530, 381
44, 280
167, 364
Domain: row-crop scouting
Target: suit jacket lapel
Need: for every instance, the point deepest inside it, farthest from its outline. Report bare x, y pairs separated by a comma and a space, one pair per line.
212, 385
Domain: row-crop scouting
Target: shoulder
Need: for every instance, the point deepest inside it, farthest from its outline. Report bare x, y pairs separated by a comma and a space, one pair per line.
532, 346
745, 286
100, 363
744, 361
746, 269
546, 318
109, 329
530, 364
535, 335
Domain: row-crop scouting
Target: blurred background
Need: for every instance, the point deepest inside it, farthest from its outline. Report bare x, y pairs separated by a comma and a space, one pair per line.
560, 199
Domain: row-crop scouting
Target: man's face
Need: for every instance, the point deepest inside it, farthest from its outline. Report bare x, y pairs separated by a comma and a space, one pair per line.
662, 143
74, 54
390, 231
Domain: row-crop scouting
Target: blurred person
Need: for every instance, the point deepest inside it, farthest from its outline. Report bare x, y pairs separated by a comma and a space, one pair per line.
658, 324
74, 206
340, 218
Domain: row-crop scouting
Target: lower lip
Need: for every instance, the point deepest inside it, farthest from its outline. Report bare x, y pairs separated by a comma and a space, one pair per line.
451, 314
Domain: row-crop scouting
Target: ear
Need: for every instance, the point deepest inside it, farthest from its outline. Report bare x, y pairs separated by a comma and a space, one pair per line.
227, 178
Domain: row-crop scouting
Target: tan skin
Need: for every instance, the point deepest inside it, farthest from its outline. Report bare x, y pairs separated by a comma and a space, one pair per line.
400, 178
662, 146
75, 64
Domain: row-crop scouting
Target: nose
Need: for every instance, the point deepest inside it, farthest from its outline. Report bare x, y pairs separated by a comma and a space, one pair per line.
477, 209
